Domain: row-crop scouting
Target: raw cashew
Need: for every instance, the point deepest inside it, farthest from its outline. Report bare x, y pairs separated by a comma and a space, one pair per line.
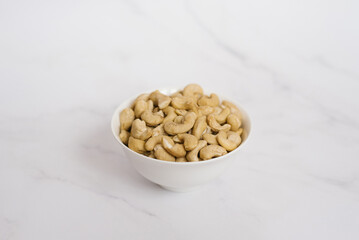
162, 154
199, 127
212, 101
192, 156
234, 121
136, 145
222, 116
159, 113
152, 119
179, 119
173, 128
181, 112
152, 142
205, 110
217, 110
192, 89
239, 131
170, 114
124, 135
150, 105
176, 139
177, 94
189, 141
234, 109
139, 130
181, 159
176, 150
208, 130
160, 99
126, 118
143, 97
186, 126
229, 140
140, 107
158, 130
212, 151
210, 138
185, 103
151, 154
216, 127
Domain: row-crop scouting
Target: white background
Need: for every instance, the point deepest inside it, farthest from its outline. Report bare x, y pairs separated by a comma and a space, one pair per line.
66, 65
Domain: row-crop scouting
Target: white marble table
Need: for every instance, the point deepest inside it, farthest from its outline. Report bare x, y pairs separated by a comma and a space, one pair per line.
66, 65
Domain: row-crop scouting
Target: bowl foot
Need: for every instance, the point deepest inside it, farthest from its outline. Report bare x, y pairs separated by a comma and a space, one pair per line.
185, 189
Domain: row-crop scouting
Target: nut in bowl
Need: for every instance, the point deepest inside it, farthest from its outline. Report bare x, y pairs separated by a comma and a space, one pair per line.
180, 139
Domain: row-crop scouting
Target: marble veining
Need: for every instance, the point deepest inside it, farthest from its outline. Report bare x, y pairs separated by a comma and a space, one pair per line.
65, 67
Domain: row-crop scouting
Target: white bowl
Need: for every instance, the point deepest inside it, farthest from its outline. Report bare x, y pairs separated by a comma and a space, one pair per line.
179, 176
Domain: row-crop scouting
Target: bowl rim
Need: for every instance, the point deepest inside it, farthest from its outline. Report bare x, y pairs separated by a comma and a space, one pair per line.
127, 103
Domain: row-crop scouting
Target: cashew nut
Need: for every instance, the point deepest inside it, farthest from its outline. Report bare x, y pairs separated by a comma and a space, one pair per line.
185, 103
199, 127
212, 151
222, 116
177, 94
179, 119
151, 154
162, 154
160, 99
189, 141
170, 114
192, 89
192, 156
211, 101
152, 119
173, 128
217, 110
234, 121
158, 130
210, 138
181, 112
239, 131
150, 105
176, 150
136, 145
216, 127
152, 142
205, 110
126, 118
139, 130
208, 130
143, 97
176, 139
181, 127
181, 159
140, 107
124, 135
159, 113
234, 109
229, 140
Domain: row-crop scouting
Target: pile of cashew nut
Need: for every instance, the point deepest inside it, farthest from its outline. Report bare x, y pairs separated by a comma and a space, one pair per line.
187, 126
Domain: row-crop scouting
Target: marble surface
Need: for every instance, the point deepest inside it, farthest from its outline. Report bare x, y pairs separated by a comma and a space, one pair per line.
66, 65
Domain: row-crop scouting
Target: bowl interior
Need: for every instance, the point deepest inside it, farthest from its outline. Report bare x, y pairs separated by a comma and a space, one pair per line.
115, 125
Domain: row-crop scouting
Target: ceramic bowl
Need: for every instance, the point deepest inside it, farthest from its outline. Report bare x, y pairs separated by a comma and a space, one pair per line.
179, 176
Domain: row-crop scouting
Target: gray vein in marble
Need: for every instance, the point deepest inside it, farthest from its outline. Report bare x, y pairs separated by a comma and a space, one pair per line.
43, 175
323, 62
336, 182
131, 205
343, 185
235, 53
